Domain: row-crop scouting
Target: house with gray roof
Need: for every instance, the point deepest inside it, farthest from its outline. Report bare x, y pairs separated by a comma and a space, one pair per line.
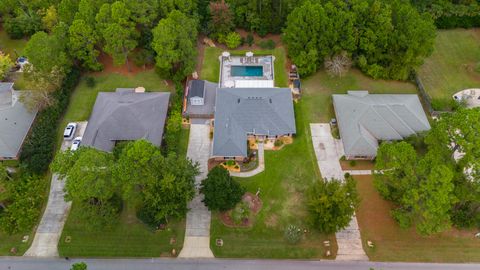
364, 119
126, 115
242, 113
15, 122
199, 101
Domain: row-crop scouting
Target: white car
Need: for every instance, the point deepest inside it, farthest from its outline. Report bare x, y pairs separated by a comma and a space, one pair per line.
69, 131
76, 143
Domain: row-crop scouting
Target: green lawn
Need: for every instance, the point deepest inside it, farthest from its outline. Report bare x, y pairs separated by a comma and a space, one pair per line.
451, 67
83, 97
13, 47
318, 89
288, 173
211, 65
395, 244
9, 241
129, 238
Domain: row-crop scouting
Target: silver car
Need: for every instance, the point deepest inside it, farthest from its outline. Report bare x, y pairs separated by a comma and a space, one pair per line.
76, 143
69, 131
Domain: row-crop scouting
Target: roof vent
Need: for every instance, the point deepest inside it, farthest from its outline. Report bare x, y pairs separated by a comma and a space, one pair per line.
238, 100
270, 101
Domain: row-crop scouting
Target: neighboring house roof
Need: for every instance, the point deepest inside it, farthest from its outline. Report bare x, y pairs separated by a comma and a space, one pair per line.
242, 111
365, 118
197, 88
209, 93
15, 121
125, 116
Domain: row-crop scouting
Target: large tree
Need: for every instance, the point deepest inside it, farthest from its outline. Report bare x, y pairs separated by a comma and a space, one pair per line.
221, 19
118, 31
421, 187
161, 185
174, 41
49, 63
89, 183
331, 204
221, 191
82, 41
23, 205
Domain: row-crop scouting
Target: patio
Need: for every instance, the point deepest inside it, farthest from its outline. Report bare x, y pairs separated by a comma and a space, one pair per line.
229, 79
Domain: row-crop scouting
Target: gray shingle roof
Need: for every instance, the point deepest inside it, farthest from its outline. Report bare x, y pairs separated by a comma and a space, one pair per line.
125, 116
197, 88
209, 93
15, 121
261, 111
364, 118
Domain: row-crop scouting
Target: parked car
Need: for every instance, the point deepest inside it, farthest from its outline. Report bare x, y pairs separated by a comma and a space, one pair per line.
76, 143
69, 131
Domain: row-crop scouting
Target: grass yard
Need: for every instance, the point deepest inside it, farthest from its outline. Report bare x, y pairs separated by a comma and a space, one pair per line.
395, 244
13, 47
211, 64
129, 238
318, 89
83, 97
9, 241
452, 65
282, 185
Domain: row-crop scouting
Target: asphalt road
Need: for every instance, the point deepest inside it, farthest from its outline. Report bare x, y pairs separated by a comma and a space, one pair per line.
23, 263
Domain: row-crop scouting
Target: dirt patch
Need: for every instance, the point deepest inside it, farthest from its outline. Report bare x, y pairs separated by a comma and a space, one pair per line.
254, 204
271, 221
359, 165
109, 67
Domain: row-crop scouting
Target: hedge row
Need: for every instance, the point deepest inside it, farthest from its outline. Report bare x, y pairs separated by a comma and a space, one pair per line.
448, 22
39, 146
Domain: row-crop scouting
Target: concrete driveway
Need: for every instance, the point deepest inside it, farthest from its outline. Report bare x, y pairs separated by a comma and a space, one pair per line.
329, 151
197, 235
45, 243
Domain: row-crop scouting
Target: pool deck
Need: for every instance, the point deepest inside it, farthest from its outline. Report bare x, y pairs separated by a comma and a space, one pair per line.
226, 63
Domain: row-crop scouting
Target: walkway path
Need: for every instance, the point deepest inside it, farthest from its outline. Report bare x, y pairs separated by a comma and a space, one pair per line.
261, 164
197, 235
45, 243
328, 152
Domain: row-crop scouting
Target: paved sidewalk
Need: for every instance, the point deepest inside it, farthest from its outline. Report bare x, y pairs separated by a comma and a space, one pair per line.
45, 243
197, 235
328, 151
261, 164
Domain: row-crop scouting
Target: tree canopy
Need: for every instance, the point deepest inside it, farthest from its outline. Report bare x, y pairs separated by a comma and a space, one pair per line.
388, 39
331, 204
221, 191
174, 41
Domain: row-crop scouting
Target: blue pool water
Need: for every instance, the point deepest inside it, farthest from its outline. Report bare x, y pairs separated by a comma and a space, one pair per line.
249, 71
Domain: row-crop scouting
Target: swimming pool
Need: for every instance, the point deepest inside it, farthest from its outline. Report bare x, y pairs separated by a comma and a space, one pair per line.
246, 71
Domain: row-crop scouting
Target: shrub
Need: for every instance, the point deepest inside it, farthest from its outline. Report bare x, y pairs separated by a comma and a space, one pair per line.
240, 213
249, 40
90, 81
278, 143
230, 162
221, 191
37, 151
267, 44
233, 40
293, 234
353, 163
